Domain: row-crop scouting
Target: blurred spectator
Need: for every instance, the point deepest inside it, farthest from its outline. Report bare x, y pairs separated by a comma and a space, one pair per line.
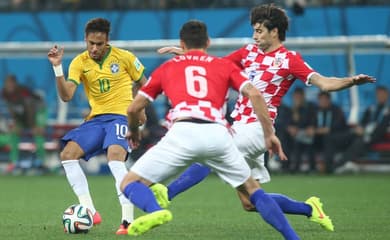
296, 6
281, 123
300, 129
28, 113
372, 129
3, 124
19, 4
5, 136
330, 123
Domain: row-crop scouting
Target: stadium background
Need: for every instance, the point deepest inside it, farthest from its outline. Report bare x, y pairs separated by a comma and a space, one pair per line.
32, 206
143, 24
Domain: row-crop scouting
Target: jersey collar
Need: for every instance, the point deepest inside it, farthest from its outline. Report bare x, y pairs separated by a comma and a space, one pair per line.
104, 57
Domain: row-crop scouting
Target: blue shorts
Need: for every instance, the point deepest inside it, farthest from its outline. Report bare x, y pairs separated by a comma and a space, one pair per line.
96, 135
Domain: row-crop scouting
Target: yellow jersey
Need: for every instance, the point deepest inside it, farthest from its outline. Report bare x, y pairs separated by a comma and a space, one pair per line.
107, 84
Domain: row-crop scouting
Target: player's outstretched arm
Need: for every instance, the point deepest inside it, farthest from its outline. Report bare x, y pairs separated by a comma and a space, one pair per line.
329, 84
65, 89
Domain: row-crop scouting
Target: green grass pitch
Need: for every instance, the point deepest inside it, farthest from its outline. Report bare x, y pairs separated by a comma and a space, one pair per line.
31, 208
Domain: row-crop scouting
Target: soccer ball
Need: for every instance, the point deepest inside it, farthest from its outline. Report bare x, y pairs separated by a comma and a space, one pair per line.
77, 219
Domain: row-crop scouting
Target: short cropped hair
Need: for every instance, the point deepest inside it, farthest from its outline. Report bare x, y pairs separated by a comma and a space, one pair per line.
382, 88
98, 25
324, 94
270, 16
299, 90
194, 34
11, 77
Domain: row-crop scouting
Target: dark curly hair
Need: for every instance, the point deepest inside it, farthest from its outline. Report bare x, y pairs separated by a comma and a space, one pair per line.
98, 25
271, 17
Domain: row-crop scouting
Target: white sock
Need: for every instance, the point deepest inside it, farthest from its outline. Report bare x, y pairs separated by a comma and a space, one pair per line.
119, 171
78, 181
86, 200
127, 211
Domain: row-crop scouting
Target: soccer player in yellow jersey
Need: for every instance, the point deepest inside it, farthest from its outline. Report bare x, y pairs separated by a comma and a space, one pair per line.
108, 75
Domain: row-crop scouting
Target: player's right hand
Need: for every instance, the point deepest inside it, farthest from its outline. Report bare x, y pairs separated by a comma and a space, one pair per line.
275, 147
134, 138
362, 79
171, 49
55, 55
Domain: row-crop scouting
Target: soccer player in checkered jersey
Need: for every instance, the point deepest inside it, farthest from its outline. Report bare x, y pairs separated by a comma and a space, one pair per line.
196, 85
108, 74
272, 68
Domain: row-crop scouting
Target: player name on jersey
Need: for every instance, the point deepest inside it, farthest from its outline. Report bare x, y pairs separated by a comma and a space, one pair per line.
194, 58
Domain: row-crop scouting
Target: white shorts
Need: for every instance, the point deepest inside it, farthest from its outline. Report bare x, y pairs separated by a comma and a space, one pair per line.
185, 143
249, 138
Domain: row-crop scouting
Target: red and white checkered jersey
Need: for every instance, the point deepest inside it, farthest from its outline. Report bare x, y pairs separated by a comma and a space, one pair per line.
196, 85
272, 73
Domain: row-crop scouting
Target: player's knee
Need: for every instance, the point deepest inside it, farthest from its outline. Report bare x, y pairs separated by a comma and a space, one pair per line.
246, 204
67, 155
130, 177
72, 151
248, 207
116, 152
123, 184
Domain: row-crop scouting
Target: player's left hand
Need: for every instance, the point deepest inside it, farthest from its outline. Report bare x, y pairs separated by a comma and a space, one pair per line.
134, 138
275, 147
362, 79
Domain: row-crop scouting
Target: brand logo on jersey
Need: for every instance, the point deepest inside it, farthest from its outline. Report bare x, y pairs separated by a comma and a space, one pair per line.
279, 59
114, 68
278, 62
